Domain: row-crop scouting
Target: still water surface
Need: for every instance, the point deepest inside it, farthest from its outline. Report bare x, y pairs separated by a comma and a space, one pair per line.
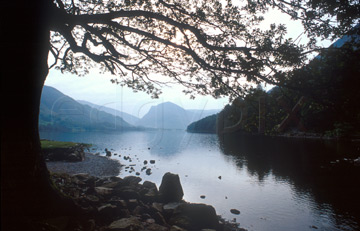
276, 183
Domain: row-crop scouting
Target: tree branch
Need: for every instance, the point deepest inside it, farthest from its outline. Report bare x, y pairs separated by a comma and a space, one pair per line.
108, 17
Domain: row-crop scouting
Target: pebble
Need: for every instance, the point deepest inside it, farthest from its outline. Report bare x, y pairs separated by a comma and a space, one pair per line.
148, 171
235, 211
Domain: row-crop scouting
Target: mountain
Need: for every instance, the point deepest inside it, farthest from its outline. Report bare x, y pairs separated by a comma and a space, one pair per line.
126, 116
165, 116
61, 112
171, 116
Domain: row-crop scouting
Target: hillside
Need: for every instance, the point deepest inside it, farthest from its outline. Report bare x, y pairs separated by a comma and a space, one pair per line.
171, 116
205, 125
126, 116
165, 116
61, 112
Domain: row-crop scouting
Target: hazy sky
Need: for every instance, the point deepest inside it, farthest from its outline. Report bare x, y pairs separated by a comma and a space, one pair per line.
98, 89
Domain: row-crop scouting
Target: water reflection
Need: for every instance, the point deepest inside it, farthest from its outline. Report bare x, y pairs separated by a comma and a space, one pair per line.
278, 184
170, 143
314, 168
166, 142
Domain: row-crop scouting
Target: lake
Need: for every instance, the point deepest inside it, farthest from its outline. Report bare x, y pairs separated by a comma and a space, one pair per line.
276, 183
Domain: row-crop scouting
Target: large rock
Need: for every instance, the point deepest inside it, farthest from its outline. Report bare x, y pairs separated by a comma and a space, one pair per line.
107, 212
126, 224
170, 189
132, 180
149, 192
103, 191
195, 217
72, 154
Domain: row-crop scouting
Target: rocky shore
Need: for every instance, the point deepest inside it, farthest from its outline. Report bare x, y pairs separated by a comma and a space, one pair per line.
116, 204
94, 165
111, 203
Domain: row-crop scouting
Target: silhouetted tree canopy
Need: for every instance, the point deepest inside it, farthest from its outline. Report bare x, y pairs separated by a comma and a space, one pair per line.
210, 47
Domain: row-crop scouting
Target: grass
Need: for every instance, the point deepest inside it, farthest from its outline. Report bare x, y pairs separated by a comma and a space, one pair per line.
47, 144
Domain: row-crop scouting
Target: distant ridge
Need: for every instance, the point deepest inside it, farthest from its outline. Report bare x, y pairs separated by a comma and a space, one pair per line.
126, 116
171, 116
61, 112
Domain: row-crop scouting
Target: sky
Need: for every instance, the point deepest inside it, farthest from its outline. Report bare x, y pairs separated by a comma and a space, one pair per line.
97, 88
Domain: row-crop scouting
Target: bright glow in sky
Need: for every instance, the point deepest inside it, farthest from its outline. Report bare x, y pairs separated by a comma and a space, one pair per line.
97, 88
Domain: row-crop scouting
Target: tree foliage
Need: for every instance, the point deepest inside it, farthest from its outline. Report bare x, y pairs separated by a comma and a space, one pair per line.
331, 83
211, 47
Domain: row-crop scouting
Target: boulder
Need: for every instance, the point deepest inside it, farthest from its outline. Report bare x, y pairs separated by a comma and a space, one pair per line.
176, 228
92, 199
156, 227
127, 193
114, 185
170, 207
195, 217
159, 218
149, 185
158, 207
90, 225
108, 153
131, 180
126, 224
103, 191
170, 189
107, 211
150, 196
73, 157
235, 211
71, 154
148, 171
138, 210
149, 193
357, 161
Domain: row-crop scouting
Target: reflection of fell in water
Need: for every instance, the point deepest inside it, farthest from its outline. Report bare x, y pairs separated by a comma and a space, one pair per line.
321, 168
166, 142
277, 183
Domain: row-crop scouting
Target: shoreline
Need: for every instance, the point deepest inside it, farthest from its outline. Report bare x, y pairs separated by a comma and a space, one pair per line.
111, 203
95, 165
99, 176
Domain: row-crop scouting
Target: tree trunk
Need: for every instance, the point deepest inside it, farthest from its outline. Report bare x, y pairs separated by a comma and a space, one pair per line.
26, 189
